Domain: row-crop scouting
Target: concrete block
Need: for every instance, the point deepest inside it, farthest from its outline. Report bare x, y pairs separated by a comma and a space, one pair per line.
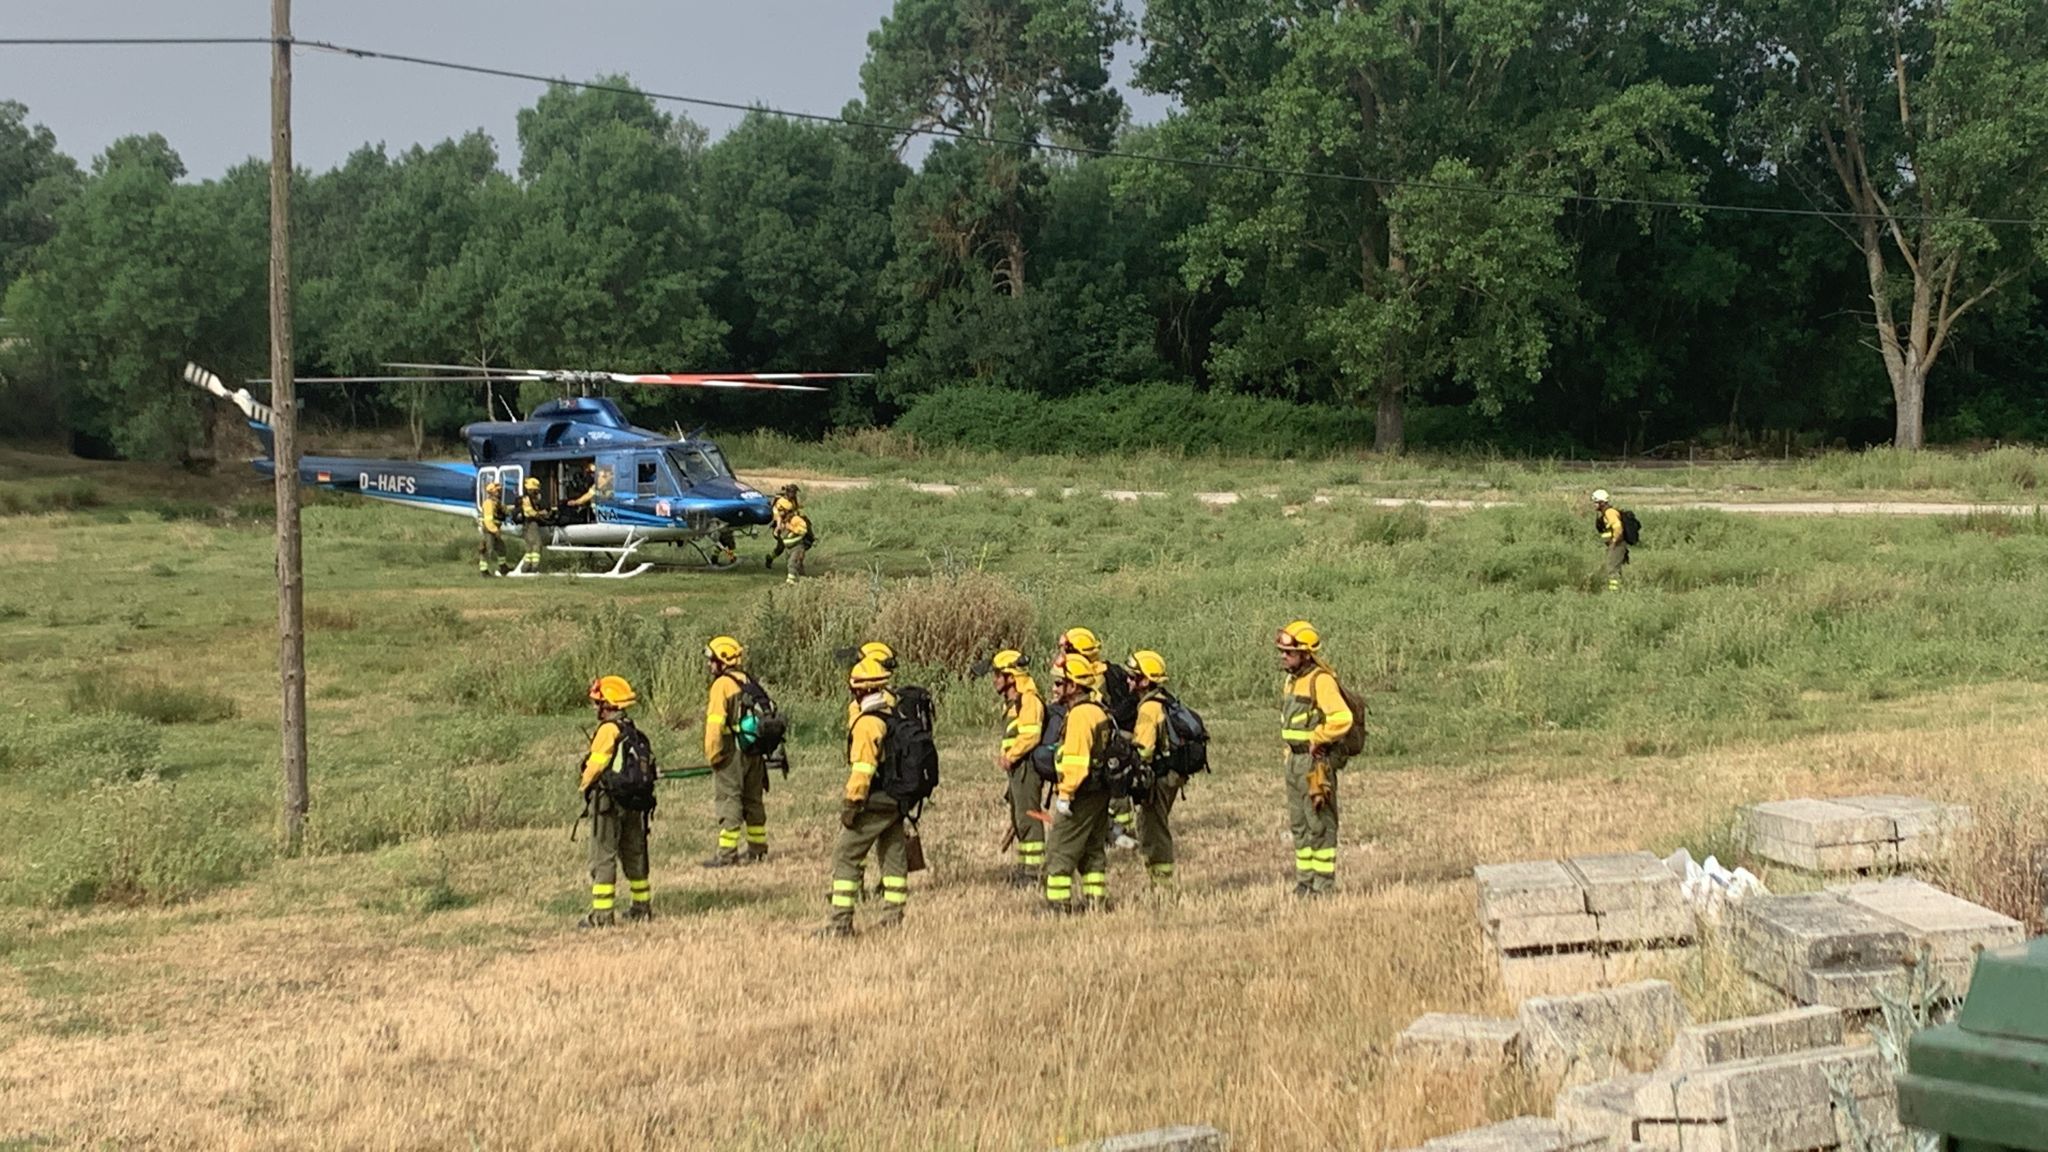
1854, 990
1817, 823
1452, 1039
1627, 882
1181, 1138
1570, 930
1558, 975
1753, 1038
1913, 817
1522, 1134
1674, 923
1783, 938
1605, 1109
1530, 888
1951, 926
1596, 1035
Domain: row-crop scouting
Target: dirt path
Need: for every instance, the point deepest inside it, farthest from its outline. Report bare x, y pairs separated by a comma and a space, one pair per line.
769, 482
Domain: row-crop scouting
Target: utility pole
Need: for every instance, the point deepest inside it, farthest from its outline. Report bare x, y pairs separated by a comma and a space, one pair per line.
291, 629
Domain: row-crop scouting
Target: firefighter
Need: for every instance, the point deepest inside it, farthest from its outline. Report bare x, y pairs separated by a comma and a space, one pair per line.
740, 779
1024, 722
1122, 706
490, 517
584, 489
1607, 519
533, 512
794, 536
869, 818
1147, 672
618, 836
1080, 816
1314, 717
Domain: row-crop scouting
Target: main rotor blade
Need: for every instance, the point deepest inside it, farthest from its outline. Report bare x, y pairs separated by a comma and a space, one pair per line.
471, 369
772, 381
400, 379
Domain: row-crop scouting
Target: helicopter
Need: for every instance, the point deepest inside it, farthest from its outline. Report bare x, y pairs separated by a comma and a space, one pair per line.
651, 488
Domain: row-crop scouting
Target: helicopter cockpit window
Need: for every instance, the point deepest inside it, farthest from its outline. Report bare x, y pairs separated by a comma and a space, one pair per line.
697, 465
646, 471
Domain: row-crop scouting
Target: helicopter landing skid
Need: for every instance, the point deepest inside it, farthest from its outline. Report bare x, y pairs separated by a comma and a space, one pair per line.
618, 571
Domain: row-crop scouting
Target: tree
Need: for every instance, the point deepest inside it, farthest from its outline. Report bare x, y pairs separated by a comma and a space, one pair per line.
1378, 266
1921, 115
35, 181
142, 274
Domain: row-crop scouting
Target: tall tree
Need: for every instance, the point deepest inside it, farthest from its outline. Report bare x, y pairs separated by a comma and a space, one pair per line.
1379, 269
35, 181
1918, 116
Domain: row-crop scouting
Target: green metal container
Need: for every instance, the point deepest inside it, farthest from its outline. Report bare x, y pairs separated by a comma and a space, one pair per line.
1982, 1082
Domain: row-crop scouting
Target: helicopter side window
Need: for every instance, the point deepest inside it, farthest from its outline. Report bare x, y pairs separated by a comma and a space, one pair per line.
645, 472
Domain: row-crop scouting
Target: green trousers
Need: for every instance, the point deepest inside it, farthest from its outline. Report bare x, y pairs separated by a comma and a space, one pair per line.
1123, 813
1155, 826
1617, 555
618, 841
739, 786
879, 828
1078, 845
489, 548
797, 552
1026, 795
530, 531
1315, 829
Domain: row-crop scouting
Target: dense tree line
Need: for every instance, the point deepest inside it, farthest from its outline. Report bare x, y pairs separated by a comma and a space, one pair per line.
1446, 221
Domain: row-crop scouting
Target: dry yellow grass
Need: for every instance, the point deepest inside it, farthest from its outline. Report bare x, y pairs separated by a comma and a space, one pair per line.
304, 1013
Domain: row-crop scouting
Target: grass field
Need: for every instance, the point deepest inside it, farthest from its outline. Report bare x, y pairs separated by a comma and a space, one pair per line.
412, 981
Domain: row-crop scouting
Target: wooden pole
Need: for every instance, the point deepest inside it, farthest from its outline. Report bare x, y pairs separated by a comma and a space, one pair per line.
291, 633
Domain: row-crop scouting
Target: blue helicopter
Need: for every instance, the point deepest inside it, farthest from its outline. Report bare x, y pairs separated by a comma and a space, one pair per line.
651, 488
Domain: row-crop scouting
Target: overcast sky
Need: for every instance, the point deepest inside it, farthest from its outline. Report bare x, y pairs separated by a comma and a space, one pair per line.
211, 103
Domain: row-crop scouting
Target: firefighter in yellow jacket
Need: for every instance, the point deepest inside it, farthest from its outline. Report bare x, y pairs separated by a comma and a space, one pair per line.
739, 778
1607, 518
869, 818
1314, 718
1077, 844
618, 838
534, 512
490, 520
1023, 727
1147, 672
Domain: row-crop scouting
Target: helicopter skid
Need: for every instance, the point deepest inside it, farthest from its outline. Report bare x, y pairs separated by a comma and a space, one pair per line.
621, 554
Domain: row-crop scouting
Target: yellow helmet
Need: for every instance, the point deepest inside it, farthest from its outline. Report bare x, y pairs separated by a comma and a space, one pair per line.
1147, 663
1008, 662
1078, 669
1300, 636
880, 653
725, 650
868, 675
612, 691
1082, 641
494, 488
532, 484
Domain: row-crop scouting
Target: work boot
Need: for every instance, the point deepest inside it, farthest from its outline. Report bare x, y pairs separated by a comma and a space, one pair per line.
1118, 838
596, 919
835, 929
1303, 889
640, 912
722, 860
1024, 877
768, 562
757, 853
504, 569
892, 917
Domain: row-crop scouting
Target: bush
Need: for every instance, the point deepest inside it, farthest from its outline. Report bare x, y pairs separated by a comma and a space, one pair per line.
71, 752
1162, 417
138, 841
152, 699
941, 623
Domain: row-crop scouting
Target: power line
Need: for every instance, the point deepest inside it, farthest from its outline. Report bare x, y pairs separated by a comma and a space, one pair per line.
942, 132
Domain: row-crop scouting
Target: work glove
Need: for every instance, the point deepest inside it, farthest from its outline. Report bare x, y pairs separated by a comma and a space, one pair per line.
1063, 806
1319, 784
849, 813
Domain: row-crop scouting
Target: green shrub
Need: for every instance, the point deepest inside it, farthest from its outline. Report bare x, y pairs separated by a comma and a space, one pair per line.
72, 752
139, 841
149, 698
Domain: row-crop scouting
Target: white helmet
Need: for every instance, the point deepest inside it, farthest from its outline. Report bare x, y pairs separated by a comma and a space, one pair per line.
1600, 496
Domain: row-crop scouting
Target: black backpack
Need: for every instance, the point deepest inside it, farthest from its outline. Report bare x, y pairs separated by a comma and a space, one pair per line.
1117, 698
1045, 759
1631, 528
909, 771
629, 779
1121, 770
760, 726
1184, 740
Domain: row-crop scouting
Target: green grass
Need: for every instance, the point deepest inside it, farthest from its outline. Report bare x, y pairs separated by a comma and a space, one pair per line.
139, 760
